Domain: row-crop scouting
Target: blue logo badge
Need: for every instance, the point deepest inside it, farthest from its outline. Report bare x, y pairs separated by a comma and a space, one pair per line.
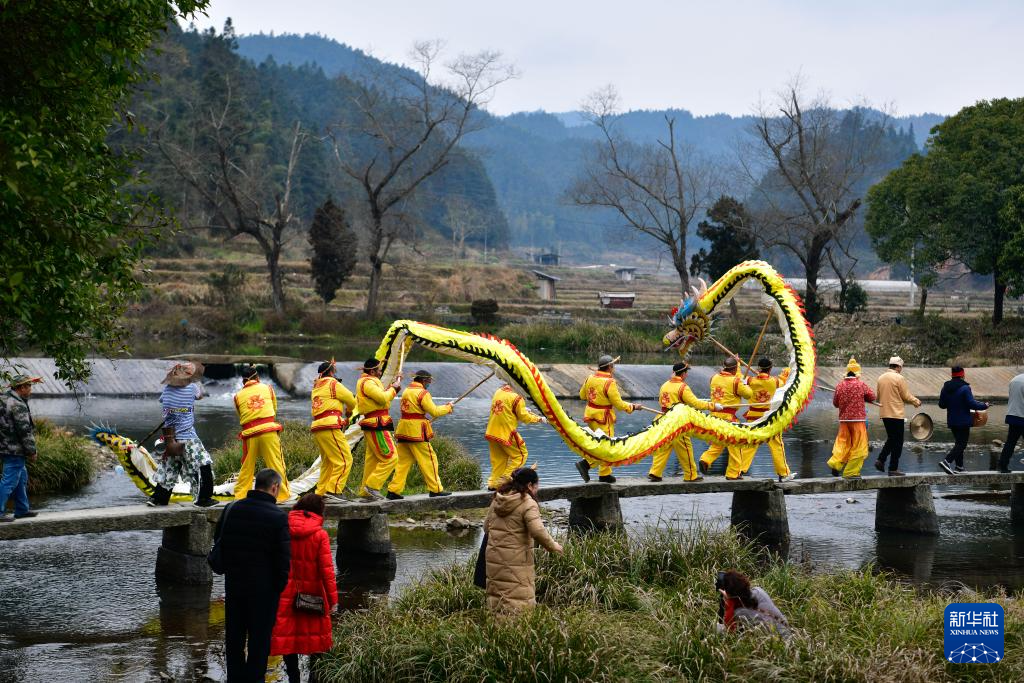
974, 633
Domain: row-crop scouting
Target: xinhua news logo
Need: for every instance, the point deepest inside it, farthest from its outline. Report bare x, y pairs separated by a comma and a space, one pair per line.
974, 633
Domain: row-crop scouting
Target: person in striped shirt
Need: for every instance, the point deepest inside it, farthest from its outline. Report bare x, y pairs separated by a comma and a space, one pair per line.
184, 457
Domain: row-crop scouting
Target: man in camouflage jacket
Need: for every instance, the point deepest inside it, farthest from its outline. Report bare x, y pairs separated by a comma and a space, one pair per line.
17, 446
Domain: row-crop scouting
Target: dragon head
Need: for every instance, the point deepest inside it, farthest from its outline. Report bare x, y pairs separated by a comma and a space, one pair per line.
689, 321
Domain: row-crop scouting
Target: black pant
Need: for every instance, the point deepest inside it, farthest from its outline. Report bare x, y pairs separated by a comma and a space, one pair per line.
894, 430
291, 665
1012, 436
961, 436
248, 620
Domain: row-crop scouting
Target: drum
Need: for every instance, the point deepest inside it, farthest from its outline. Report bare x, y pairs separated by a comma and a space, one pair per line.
921, 427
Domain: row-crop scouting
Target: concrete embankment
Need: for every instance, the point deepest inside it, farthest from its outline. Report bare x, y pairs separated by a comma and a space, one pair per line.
142, 377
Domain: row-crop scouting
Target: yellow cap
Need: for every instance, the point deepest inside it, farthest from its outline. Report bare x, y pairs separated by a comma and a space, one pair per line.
853, 366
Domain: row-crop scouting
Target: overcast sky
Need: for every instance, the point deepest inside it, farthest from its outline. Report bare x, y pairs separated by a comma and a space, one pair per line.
712, 56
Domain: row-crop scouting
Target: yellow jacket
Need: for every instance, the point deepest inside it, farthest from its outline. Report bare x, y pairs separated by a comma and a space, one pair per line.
676, 391
508, 409
416, 405
373, 402
602, 396
763, 385
893, 393
256, 406
729, 389
332, 403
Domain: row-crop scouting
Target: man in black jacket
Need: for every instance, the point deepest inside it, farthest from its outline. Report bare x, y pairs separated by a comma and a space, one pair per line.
256, 552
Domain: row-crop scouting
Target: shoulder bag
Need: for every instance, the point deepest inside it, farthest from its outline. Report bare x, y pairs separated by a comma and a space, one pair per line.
215, 558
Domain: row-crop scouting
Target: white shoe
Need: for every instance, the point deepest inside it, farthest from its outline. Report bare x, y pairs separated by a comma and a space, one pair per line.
788, 477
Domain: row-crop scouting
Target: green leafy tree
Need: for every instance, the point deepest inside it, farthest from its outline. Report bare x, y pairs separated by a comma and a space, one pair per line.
71, 231
728, 234
961, 198
334, 249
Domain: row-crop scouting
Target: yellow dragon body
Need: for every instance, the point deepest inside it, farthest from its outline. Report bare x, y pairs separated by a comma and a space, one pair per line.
691, 323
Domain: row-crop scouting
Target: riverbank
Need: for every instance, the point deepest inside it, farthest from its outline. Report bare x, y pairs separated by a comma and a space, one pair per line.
644, 608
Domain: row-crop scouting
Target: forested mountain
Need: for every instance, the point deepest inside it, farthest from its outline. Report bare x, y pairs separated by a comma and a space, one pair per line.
532, 157
208, 101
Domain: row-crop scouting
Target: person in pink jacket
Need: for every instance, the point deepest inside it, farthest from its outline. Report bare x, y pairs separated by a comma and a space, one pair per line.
851, 446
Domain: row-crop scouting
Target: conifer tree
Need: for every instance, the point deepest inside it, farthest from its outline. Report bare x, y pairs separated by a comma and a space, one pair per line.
334, 249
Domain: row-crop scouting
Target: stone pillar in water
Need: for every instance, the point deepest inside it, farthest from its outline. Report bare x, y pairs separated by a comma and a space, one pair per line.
1017, 506
364, 548
596, 513
182, 555
761, 516
906, 508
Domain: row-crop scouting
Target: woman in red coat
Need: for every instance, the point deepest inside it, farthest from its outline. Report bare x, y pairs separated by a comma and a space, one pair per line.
312, 573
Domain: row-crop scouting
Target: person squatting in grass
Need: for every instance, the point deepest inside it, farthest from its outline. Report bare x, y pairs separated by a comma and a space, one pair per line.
958, 400
373, 403
764, 386
742, 606
601, 393
893, 394
184, 456
851, 446
413, 435
256, 405
331, 405
513, 525
17, 446
297, 630
507, 448
728, 390
674, 391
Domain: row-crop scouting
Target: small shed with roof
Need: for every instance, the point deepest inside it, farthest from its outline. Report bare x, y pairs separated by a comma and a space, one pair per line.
546, 285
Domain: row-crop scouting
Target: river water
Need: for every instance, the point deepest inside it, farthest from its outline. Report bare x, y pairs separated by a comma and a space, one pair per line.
87, 608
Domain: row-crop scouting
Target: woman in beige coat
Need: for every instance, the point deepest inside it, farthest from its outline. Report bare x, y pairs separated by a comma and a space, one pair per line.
513, 524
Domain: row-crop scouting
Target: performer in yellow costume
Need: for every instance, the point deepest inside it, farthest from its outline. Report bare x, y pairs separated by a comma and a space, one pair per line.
373, 403
729, 390
764, 386
602, 396
672, 392
413, 436
508, 450
332, 403
256, 406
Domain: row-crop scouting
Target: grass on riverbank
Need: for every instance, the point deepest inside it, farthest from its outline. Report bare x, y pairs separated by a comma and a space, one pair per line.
459, 471
615, 608
64, 464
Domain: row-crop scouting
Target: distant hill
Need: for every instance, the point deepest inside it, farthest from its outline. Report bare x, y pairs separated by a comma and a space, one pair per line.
531, 157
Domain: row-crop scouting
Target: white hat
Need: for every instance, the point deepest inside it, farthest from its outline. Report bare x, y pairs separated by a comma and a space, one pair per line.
896, 360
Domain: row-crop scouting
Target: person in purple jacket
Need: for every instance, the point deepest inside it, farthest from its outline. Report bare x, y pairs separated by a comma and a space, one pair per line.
958, 401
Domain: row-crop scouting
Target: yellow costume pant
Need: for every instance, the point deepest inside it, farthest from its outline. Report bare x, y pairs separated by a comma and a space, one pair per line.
735, 467
684, 453
603, 470
423, 454
379, 461
778, 451
265, 447
850, 449
504, 461
335, 460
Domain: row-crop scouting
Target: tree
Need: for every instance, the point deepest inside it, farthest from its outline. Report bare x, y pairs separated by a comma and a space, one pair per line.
655, 189
230, 154
728, 234
959, 200
464, 221
903, 225
729, 238
818, 160
334, 249
403, 129
71, 227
